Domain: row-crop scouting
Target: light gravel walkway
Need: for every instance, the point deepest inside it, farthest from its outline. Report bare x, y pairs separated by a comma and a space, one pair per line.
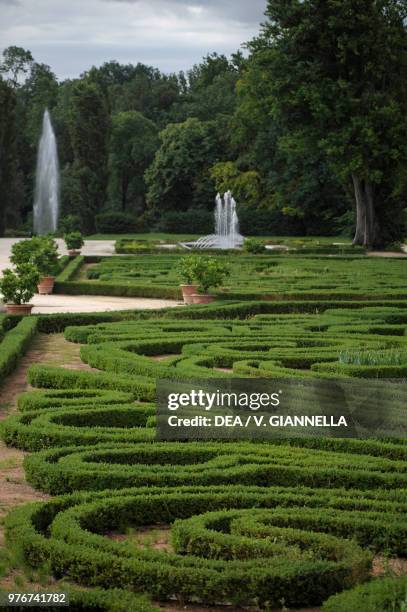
46, 304
91, 247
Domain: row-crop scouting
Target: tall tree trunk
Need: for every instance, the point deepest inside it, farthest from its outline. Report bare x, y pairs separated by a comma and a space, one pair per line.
366, 223
360, 210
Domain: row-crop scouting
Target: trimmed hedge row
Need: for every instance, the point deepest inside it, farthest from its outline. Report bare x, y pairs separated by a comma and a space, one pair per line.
85, 424
73, 383
50, 377
380, 595
264, 346
117, 289
38, 400
174, 464
15, 343
73, 266
54, 323
251, 277
316, 567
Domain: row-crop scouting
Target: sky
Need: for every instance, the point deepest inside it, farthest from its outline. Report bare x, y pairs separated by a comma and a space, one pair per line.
172, 35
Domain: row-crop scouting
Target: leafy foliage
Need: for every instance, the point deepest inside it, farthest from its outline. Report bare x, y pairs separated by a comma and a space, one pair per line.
18, 287
73, 240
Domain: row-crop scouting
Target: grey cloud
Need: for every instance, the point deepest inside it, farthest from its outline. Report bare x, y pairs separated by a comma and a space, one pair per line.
242, 10
169, 34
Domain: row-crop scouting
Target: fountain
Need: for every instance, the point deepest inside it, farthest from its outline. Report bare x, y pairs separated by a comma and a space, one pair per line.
46, 202
226, 234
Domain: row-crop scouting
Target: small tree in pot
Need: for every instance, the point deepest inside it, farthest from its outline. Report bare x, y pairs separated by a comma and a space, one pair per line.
42, 252
74, 242
18, 287
186, 270
209, 272
46, 262
206, 272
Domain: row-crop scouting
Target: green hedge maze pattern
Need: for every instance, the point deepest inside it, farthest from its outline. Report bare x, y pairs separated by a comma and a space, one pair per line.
323, 277
288, 522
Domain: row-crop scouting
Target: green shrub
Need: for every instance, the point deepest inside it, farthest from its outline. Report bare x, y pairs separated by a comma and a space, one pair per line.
205, 271
379, 595
22, 251
19, 286
176, 464
274, 277
14, 344
69, 271
194, 221
69, 223
45, 258
40, 251
373, 358
116, 222
256, 247
69, 533
73, 240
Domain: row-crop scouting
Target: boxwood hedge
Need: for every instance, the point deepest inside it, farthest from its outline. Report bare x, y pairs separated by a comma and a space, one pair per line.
304, 568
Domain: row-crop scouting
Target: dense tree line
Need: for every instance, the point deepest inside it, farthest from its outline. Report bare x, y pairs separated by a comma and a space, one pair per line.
308, 129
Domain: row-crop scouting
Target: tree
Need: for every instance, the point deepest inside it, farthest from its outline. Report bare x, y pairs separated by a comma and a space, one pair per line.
149, 92
16, 62
7, 149
39, 92
245, 185
134, 141
179, 176
89, 125
211, 87
335, 74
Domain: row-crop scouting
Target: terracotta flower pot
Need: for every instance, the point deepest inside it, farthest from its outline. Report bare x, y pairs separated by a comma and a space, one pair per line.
202, 298
74, 252
19, 309
46, 285
187, 292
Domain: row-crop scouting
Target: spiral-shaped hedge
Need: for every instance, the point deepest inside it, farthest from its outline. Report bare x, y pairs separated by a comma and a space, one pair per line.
176, 464
245, 545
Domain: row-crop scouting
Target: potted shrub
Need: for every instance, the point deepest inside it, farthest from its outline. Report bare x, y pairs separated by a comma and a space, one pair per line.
23, 251
74, 242
255, 247
208, 272
45, 259
186, 269
18, 287
42, 252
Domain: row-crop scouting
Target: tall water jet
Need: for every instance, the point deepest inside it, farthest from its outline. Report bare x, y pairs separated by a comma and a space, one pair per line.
46, 202
226, 234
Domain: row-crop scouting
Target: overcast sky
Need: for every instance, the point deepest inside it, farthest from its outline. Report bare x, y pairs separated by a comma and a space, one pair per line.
73, 35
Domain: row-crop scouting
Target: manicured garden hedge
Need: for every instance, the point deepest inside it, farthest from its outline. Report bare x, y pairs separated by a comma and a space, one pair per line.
380, 595
174, 464
292, 521
14, 342
315, 558
312, 278
86, 424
